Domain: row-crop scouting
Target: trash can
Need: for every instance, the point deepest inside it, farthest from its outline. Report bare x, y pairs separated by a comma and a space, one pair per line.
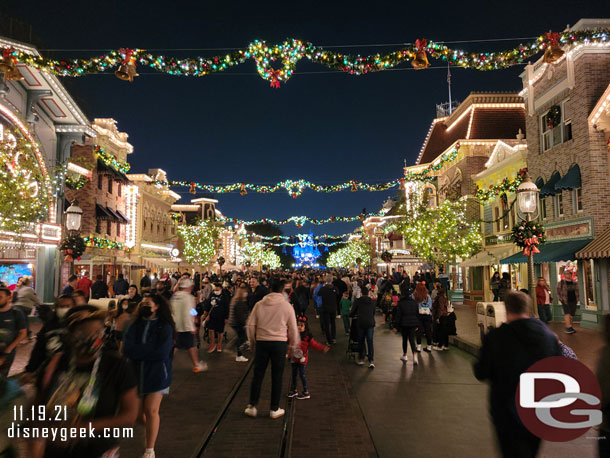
482, 319
496, 315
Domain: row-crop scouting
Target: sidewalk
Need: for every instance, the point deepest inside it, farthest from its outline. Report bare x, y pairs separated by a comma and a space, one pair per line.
586, 343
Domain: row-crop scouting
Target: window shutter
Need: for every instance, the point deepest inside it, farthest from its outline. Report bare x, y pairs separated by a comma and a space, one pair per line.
488, 216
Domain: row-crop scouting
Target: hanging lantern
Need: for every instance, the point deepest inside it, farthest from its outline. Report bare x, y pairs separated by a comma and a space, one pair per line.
421, 59
193, 188
242, 189
294, 194
354, 187
553, 51
127, 69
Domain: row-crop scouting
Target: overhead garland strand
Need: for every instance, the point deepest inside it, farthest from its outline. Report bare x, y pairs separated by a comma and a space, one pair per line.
307, 243
291, 51
302, 236
299, 221
296, 187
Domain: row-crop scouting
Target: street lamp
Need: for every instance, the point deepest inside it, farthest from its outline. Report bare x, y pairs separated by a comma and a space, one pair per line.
527, 195
74, 216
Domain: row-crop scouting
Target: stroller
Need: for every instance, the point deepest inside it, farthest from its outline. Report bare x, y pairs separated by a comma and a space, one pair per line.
353, 343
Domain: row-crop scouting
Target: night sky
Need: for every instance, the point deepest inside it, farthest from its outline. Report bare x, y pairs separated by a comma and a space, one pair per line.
326, 127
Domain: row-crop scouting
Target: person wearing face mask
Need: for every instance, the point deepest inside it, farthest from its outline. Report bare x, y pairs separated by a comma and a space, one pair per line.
49, 336
148, 344
95, 386
215, 316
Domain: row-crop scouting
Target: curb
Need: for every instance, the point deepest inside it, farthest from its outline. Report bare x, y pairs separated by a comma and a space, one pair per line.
467, 346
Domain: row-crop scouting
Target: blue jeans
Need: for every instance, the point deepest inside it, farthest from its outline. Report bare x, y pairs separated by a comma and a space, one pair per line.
366, 333
346, 323
298, 369
545, 313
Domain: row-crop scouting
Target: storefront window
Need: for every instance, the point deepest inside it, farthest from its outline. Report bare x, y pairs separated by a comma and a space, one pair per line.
589, 299
477, 279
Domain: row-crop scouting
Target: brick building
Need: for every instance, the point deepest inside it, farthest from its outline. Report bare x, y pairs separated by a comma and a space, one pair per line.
103, 200
568, 158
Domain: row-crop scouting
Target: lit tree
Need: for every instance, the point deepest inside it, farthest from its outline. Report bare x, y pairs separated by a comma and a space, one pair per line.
257, 253
355, 253
23, 196
199, 242
441, 234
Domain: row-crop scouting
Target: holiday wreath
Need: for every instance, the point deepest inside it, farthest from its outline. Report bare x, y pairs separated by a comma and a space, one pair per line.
72, 247
527, 235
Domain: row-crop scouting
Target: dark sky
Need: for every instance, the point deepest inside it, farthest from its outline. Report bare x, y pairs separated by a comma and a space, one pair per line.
327, 127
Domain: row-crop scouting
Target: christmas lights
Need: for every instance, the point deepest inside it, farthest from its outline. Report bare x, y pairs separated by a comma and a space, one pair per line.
199, 242
111, 160
299, 221
277, 63
100, 242
506, 186
425, 174
355, 253
302, 244
299, 236
257, 253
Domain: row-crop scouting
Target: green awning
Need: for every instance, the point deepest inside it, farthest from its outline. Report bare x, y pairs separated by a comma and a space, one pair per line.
540, 182
570, 180
551, 252
549, 188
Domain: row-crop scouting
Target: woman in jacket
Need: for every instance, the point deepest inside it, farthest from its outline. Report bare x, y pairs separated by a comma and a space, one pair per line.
505, 286
238, 315
494, 285
148, 344
364, 309
439, 314
407, 321
543, 300
424, 314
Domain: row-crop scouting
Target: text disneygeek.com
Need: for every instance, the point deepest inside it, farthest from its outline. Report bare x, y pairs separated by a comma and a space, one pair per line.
64, 434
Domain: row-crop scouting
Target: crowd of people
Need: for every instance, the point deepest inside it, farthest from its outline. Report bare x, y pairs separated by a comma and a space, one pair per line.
111, 367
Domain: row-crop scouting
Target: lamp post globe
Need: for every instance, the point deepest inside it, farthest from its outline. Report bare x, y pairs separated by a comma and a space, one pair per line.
527, 195
74, 216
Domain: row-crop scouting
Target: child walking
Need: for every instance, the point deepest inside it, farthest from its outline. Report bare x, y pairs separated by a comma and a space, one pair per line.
346, 306
300, 357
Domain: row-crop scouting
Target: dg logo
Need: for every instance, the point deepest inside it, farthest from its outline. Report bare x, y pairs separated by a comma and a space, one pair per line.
558, 399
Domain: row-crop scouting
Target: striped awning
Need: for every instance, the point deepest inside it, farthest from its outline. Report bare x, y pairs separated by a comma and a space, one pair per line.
598, 248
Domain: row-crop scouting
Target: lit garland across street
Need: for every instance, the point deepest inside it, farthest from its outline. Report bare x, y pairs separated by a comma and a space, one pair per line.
299, 221
302, 236
199, 242
305, 243
110, 160
507, 185
277, 63
100, 242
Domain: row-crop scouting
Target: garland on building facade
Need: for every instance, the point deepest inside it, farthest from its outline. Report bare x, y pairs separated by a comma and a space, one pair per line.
111, 160
72, 247
277, 63
424, 175
507, 185
105, 244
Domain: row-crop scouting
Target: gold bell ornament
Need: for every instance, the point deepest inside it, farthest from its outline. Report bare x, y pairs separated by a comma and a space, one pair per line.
193, 189
127, 69
13, 74
242, 190
7, 62
421, 59
553, 51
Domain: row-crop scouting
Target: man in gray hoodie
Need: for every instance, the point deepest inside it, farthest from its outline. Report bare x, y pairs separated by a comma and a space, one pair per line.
270, 326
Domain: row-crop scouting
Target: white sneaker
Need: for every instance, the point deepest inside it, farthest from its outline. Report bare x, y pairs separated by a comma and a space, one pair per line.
338, 316
404, 358
359, 362
149, 454
445, 348
241, 359
277, 413
371, 365
436, 348
251, 411
415, 362
200, 367
418, 348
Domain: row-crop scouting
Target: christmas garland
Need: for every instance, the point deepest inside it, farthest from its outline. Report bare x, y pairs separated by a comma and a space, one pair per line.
339, 242
72, 247
506, 186
100, 242
553, 117
527, 235
277, 63
424, 175
75, 181
299, 221
300, 236
111, 160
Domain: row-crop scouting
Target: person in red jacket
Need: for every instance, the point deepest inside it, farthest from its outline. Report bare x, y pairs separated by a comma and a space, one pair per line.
300, 356
543, 300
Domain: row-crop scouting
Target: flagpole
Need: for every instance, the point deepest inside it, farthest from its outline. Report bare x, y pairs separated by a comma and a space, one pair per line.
449, 86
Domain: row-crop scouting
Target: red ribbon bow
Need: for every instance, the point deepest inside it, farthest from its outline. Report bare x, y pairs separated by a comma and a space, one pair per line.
8, 52
128, 55
531, 246
420, 44
275, 82
553, 38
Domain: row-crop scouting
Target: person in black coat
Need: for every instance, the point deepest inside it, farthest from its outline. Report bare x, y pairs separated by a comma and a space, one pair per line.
364, 309
341, 288
506, 353
328, 293
407, 321
258, 292
99, 288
